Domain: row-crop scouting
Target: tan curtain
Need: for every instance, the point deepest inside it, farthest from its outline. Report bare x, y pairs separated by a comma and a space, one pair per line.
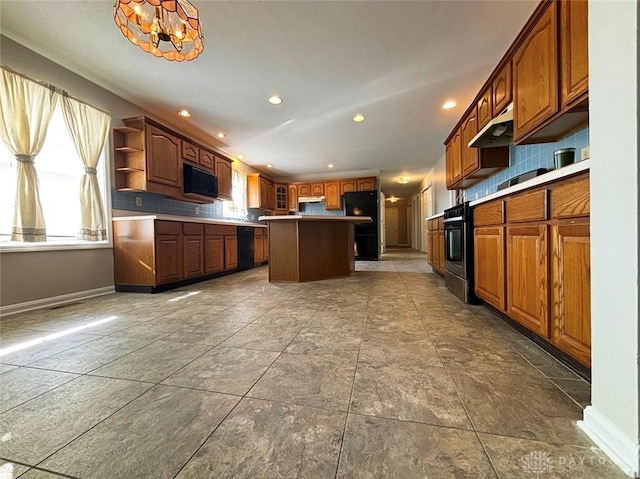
89, 128
25, 111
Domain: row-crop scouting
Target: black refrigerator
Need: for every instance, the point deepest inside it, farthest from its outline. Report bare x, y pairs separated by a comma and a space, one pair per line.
364, 203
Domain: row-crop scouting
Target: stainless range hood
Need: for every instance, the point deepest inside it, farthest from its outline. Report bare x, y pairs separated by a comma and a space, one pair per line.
310, 199
498, 132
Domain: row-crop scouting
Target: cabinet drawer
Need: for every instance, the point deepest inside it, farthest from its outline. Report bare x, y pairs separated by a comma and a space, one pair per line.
168, 228
196, 229
224, 230
527, 207
571, 199
489, 214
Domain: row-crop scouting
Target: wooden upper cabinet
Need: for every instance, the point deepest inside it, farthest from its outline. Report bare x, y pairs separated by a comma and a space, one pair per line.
535, 75
282, 202
260, 192
163, 157
223, 172
502, 89
206, 159
189, 152
332, 195
304, 190
271, 195
347, 186
527, 277
456, 153
571, 295
366, 184
449, 165
470, 156
485, 110
489, 265
317, 189
574, 50
293, 198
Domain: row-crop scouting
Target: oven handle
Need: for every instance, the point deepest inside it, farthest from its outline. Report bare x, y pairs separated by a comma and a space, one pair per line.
451, 220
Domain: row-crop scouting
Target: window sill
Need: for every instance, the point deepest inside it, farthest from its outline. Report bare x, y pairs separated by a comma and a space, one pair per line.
53, 246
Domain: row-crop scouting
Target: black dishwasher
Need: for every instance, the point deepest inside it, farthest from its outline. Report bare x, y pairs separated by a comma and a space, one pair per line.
245, 247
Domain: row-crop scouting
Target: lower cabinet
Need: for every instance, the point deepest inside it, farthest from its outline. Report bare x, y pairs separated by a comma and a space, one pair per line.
527, 279
435, 244
168, 258
571, 279
258, 248
193, 248
489, 268
532, 261
230, 252
213, 254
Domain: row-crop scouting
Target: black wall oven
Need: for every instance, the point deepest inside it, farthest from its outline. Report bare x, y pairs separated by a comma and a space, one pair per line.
458, 252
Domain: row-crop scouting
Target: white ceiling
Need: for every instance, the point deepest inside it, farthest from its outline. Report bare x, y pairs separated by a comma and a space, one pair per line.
395, 62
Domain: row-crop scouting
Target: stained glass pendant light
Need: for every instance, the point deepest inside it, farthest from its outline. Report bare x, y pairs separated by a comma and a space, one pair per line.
165, 28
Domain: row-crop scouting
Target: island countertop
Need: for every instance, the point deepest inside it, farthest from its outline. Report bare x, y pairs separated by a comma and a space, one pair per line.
350, 219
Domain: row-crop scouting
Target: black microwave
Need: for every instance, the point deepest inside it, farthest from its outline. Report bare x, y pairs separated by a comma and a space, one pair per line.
200, 182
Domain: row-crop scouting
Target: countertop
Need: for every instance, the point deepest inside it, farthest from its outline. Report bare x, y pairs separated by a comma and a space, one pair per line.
187, 219
435, 216
553, 175
351, 219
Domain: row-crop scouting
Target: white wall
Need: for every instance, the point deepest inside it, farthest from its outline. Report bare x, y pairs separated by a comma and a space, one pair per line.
613, 418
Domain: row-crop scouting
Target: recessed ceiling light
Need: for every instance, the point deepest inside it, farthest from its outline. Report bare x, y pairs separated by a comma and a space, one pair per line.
330, 165
184, 113
269, 165
403, 179
448, 105
241, 157
275, 100
358, 118
220, 135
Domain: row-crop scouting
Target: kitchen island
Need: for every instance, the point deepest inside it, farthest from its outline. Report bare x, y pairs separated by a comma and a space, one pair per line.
310, 248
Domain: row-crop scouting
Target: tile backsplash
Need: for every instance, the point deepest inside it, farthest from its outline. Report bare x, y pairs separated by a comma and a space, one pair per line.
122, 200
318, 209
526, 158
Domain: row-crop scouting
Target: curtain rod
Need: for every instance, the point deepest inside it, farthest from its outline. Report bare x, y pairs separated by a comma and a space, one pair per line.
53, 88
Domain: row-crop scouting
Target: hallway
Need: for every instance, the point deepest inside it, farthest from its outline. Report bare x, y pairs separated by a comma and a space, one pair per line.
383, 374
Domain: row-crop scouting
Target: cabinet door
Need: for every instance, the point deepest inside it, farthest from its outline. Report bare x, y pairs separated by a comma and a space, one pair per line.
258, 249
223, 172
265, 246
502, 89
574, 49
571, 270
282, 205
230, 252
163, 157
527, 278
264, 193
449, 165
206, 159
304, 190
293, 198
535, 75
190, 152
366, 184
485, 110
332, 195
456, 153
193, 247
470, 158
271, 196
488, 249
441, 256
347, 186
213, 254
317, 189
168, 258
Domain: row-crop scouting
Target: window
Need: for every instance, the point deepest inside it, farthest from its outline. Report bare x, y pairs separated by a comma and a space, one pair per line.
238, 207
59, 171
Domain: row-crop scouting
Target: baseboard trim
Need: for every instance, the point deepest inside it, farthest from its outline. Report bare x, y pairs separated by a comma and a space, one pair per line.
611, 440
54, 300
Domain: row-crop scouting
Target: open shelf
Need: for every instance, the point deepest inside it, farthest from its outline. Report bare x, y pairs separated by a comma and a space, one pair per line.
127, 129
128, 169
127, 149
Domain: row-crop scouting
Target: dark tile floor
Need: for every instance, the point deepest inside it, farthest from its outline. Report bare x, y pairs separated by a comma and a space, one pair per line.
384, 374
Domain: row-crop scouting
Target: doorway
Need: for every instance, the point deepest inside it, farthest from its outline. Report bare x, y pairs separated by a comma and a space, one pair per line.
392, 238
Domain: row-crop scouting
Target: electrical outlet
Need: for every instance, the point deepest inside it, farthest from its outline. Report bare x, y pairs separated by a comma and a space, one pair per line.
196, 210
138, 200
585, 153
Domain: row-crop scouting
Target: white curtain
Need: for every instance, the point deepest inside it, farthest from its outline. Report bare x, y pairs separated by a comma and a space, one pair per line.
25, 111
237, 207
89, 128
